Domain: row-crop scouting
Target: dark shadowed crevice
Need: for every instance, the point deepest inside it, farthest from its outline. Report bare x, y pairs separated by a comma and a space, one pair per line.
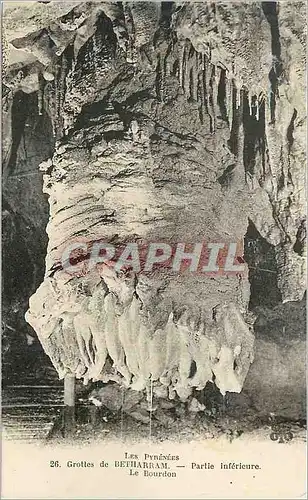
25, 213
163, 30
225, 179
221, 97
290, 130
233, 142
158, 80
301, 236
260, 257
193, 369
254, 133
284, 322
166, 14
270, 10
99, 49
97, 111
20, 110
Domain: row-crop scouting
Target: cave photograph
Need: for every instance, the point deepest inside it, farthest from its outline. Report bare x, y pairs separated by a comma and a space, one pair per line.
154, 243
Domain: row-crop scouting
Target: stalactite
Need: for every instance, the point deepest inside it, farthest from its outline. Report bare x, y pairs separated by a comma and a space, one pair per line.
217, 76
192, 73
238, 89
196, 70
192, 85
58, 91
253, 106
210, 98
56, 88
181, 65
176, 69
168, 58
196, 80
250, 103
200, 96
186, 70
56, 95
257, 110
64, 65
131, 51
159, 79
229, 101
206, 87
50, 103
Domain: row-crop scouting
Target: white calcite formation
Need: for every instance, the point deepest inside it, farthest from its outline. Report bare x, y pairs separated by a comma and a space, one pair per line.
180, 123
98, 332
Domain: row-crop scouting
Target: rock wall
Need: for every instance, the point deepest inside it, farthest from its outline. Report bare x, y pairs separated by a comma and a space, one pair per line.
175, 123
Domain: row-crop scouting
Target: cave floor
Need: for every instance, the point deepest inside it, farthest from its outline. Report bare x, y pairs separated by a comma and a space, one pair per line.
189, 428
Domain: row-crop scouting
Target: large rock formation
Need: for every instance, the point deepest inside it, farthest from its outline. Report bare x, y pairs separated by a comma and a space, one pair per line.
175, 123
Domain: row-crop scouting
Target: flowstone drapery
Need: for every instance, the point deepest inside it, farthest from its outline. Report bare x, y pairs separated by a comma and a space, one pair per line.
102, 332
176, 123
